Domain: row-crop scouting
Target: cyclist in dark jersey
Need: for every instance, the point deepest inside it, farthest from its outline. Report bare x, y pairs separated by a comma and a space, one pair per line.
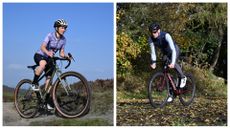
168, 47
52, 43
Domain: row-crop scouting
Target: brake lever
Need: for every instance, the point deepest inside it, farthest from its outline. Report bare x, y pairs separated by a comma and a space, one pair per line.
70, 55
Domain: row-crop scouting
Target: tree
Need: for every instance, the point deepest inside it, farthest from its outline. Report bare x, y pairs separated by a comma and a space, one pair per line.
198, 28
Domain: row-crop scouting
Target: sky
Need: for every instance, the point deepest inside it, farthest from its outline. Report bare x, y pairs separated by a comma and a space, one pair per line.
89, 37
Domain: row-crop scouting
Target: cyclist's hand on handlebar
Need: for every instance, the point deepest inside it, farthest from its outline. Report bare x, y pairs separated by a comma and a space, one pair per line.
171, 66
153, 66
50, 54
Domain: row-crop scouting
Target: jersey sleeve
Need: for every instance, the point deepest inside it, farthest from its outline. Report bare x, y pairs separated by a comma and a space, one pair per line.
47, 39
153, 53
172, 47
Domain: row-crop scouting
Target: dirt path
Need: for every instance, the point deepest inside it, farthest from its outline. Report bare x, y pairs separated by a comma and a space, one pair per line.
203, 111
12, 118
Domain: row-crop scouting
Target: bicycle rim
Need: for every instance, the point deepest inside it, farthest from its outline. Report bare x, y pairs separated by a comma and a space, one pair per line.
71, 96
188, 92
158, 90
25, 99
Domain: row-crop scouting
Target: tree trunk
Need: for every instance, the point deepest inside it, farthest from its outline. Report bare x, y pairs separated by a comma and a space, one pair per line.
217, 51
216, 57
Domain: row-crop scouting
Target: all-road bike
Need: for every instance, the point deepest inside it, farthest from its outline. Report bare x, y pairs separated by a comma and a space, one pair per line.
163, 84
70, 93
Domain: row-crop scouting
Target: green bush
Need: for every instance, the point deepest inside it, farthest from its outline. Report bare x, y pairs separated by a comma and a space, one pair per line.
207, 83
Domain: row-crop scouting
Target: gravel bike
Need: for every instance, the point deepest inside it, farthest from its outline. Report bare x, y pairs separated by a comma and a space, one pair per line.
70, 93
162, 84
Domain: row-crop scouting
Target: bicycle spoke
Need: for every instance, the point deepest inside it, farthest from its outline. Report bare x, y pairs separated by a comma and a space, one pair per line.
158, 90
188, 92
72, 103
26, 101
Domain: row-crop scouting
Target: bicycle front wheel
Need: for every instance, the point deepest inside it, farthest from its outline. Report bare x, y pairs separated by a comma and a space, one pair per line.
25, 99
188, 92
71, 95
158, 90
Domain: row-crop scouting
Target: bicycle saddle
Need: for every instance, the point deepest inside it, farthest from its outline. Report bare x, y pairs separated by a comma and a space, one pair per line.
32, 67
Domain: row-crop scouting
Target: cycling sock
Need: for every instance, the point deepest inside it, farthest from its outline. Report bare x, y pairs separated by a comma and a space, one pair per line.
35, 80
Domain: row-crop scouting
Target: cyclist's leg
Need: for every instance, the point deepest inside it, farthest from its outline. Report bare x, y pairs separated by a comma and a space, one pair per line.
48, 70
47, 82
39, 60
177, 66
180, 72
50, 104
40, 68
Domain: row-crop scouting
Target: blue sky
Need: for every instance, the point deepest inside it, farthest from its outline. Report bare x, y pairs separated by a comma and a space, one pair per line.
89, 37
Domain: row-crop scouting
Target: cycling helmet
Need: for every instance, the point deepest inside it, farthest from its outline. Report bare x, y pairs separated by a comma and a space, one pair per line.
154, 27
60, 22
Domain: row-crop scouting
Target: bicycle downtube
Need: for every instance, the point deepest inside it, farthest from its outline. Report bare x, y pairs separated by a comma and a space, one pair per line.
64, 84
171, 81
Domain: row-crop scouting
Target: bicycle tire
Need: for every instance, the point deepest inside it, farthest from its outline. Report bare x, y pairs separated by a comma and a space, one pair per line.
151, 86
25, 98
190, 84
61, 107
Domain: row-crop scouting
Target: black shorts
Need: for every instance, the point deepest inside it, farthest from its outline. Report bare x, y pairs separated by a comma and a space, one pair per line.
49, 66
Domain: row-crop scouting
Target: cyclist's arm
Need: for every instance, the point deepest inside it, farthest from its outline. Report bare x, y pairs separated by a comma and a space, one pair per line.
62, 53
153, 53
43, 48
62, 50
44, 44
172, 47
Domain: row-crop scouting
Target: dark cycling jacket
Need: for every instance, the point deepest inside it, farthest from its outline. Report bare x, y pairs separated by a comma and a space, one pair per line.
166, 44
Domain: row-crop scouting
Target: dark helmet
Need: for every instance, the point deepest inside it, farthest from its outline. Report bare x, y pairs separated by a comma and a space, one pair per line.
154, 27
60, 22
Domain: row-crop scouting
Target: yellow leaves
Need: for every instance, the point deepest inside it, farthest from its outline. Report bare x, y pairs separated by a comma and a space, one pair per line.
119, 14
127, 50
201, 113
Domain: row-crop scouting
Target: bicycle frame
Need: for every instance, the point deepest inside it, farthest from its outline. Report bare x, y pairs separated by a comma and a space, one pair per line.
58, 72
171, 81
165, 84
28, 100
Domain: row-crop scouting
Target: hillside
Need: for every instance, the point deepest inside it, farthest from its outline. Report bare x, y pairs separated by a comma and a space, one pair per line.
8, 93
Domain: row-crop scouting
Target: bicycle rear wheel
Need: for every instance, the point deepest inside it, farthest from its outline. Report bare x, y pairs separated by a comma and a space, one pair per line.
188, 92
25, 99
158, 90
72, 95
